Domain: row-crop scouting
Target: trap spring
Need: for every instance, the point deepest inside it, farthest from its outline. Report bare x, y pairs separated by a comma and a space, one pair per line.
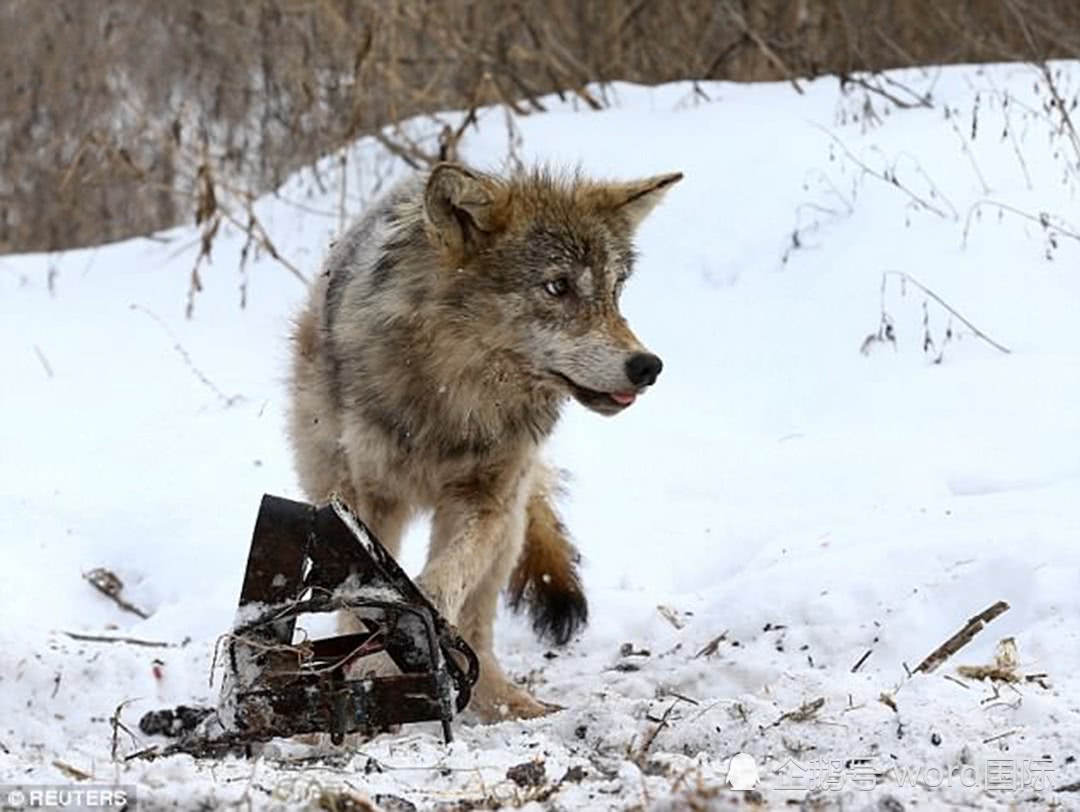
306, 560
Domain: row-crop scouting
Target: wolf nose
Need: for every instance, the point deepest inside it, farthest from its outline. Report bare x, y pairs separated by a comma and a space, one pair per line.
643, 368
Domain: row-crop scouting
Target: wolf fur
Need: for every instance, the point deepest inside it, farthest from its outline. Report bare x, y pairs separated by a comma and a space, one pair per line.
450, 325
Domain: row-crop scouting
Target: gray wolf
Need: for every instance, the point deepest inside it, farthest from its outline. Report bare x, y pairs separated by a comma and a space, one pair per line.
449, 327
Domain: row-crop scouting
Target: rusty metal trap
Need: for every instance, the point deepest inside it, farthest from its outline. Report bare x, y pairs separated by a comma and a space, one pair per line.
307, 561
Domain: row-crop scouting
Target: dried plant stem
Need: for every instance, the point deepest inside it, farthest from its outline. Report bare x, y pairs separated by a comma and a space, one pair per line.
910, 279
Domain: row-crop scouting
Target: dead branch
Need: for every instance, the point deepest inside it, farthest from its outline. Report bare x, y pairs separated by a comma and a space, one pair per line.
858, 81
131, 641
861, 660
974, 625
763, 46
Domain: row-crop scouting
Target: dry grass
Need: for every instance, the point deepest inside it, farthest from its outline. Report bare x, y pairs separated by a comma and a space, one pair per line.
112, 106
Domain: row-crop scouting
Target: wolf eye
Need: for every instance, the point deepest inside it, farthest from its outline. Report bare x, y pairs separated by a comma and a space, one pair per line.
557, 287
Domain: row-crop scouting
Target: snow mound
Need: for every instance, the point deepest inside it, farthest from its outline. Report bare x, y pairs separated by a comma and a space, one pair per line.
866, 433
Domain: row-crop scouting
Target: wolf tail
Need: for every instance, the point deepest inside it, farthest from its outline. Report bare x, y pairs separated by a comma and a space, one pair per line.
545, 579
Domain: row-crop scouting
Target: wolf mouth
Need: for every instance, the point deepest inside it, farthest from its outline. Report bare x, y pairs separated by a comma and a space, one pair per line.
605, 403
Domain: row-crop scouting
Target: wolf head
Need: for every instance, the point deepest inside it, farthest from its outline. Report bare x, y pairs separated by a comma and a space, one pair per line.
538, 265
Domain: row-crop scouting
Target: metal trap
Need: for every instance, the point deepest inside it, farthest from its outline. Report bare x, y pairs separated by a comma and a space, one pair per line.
303, 561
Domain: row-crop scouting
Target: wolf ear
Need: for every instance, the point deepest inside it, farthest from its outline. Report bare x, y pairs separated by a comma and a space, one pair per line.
460, 204
636, 199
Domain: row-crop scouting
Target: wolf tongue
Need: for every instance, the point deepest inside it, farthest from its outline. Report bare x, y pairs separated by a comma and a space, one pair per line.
623, 398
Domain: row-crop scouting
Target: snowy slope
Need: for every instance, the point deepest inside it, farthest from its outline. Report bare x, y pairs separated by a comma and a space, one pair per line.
801, 500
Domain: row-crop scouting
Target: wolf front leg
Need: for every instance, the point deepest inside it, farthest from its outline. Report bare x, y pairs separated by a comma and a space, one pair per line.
475, 544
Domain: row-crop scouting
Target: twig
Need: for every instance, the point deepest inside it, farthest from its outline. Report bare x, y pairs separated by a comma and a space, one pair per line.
974, 625
131, 641
710, 648
862, 660
117, 726
264, 241
44, 361
226, 400
1044, 219
1062, 108
660, 725
109, 585
966, 149
908, 278
411, 155
692, 701
848, 78
671, 616
1044, 68
763, 46
71, 772
804, 713
1038, 679
959, 682
890, 178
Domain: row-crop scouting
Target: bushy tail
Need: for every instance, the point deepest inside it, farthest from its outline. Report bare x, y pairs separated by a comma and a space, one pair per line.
545, 579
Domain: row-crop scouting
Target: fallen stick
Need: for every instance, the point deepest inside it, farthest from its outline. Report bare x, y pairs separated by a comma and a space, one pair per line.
961, 638
109, 585
862, 660
710, 648
132, 641
70, 771
661, 723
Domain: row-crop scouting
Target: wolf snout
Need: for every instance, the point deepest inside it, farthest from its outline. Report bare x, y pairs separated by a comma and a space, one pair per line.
643, 368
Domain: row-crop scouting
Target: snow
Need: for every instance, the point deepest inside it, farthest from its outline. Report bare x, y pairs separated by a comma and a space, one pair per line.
801, 500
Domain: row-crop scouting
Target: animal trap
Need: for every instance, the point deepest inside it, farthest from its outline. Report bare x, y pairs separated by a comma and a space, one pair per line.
303, 561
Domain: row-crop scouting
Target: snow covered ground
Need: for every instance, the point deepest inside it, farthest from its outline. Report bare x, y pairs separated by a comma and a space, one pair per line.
798, 495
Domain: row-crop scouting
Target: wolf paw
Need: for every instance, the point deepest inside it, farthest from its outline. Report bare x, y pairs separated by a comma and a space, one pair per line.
497, 699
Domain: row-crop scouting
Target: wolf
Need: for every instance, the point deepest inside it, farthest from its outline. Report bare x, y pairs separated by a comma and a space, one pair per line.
449, 327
